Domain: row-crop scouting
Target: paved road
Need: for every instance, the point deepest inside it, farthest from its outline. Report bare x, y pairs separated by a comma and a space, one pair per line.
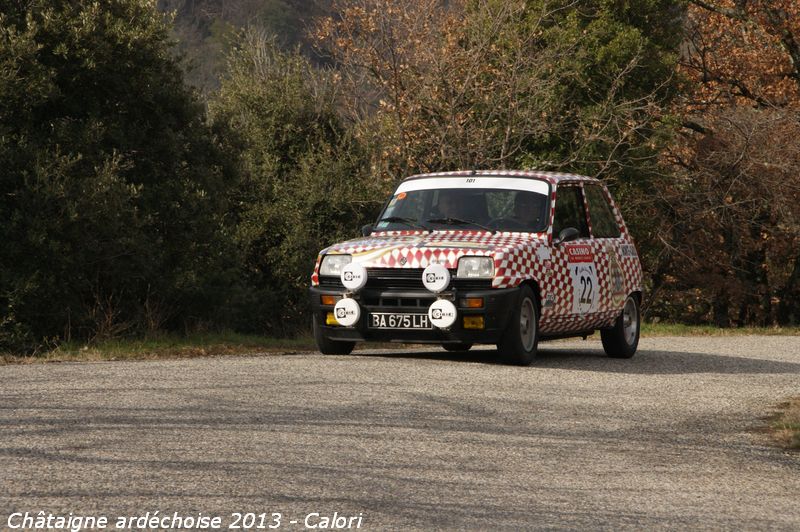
413, 440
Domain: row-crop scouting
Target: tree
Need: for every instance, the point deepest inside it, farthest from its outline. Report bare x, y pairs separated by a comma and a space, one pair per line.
735, 219
730, 212
110, 190
743, 52
206, 29
443, 85
304, 179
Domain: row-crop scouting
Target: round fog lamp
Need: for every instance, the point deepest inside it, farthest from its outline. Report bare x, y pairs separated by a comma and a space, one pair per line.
347, 312
442, 313
436, 278
354, 276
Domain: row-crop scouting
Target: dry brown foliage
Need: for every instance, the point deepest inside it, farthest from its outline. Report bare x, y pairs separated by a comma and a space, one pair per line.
438, 90
735, 233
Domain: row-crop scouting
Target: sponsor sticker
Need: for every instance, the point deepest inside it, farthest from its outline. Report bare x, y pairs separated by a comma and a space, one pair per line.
583, 272
579, 253
616, 280
627, 250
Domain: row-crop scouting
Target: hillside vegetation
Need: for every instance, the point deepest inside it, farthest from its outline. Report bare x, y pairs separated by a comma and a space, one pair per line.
177, 173
206, 30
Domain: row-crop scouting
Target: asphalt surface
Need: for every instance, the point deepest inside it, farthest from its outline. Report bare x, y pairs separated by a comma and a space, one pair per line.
413, 440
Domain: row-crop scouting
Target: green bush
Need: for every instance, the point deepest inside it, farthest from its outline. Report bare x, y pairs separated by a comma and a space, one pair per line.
111, 195
304, 180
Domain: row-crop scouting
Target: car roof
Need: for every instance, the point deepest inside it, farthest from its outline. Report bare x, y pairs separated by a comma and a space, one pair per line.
550, 177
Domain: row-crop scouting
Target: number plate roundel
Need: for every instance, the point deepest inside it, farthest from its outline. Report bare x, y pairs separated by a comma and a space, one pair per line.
347, 312
436, 278
442, 313
354, 276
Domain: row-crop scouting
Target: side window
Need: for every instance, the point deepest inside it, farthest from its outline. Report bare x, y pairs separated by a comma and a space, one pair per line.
604, 225
570, 211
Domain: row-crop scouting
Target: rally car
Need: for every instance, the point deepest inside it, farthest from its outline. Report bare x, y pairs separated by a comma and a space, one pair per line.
495, 257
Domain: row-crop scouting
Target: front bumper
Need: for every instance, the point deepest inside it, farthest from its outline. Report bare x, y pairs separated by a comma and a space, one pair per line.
496, 311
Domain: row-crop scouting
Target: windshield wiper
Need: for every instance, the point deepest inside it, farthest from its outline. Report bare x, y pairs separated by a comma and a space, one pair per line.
458, 221
401, 220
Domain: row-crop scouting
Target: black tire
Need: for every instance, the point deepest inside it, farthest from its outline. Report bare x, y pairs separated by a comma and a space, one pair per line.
457, 347
327, 346
622, 340
519, 342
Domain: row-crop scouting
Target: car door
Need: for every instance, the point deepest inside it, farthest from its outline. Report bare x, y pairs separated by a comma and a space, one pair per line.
607, 236
575, 263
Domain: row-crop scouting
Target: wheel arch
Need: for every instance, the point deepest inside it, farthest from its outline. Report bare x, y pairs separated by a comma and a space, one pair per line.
534, 285
639, 295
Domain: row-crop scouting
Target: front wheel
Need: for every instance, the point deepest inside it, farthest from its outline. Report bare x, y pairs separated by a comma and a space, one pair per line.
622, 340
518, 345
326, 346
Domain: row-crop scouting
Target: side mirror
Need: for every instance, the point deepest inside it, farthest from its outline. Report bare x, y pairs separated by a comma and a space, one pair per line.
566, 234
367, 230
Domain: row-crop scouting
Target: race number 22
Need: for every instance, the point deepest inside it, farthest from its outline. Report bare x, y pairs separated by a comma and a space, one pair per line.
584, 287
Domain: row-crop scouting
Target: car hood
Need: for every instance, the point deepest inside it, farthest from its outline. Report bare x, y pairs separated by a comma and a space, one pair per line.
418, 249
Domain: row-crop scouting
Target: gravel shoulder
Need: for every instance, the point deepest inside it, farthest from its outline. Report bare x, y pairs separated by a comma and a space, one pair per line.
422, 440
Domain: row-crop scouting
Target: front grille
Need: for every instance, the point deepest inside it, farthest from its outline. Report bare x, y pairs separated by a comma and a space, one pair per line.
421, 303
395, 278
404, 279
471, 284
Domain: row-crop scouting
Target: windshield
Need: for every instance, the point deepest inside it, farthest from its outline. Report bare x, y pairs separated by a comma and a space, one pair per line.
487, 206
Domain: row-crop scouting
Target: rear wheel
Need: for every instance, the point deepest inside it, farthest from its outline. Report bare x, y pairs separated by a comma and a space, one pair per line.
518, 345
622, 340
457, 347
326, 346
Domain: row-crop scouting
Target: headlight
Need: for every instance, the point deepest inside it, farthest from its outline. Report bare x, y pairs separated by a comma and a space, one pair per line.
475, 267
333, 264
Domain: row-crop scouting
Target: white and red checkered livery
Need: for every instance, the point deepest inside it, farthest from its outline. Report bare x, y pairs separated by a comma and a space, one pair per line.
520, 257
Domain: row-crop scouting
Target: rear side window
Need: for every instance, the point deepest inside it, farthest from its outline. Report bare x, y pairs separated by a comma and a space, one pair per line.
604, 224
570, 211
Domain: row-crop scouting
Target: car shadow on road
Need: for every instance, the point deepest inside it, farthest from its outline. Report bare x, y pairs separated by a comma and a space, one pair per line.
591, 358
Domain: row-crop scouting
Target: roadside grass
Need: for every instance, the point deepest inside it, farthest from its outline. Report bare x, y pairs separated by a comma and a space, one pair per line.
785, 426
164, 346
677, 329
171, 346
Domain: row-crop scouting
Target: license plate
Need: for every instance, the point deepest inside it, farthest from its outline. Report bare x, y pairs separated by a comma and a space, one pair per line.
390, 320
